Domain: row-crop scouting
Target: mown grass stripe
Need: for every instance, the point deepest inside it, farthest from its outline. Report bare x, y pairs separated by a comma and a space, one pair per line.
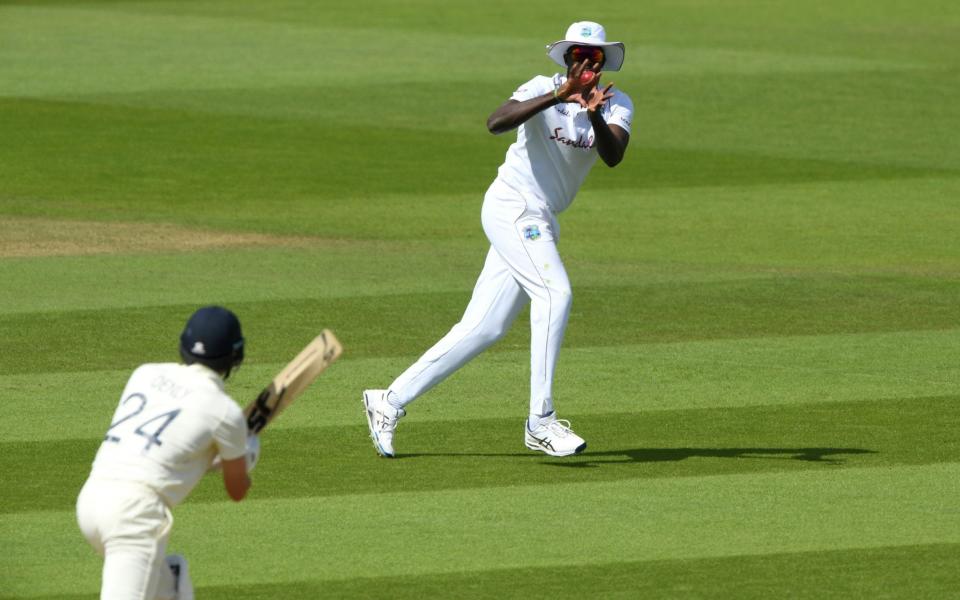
481, 529
286, 166
432, 456
392, 325
636, 378
849, 573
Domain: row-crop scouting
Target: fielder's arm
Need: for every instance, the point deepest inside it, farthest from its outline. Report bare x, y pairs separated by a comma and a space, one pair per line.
611, 140
514, 113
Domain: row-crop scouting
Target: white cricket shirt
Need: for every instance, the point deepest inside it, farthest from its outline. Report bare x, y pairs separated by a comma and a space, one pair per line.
171, 422
555, 148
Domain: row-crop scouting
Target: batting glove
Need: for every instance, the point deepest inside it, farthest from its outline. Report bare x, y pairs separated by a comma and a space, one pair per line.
253, 451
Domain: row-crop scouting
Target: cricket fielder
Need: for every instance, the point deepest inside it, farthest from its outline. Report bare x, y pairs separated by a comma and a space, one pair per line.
563, 123
174, 423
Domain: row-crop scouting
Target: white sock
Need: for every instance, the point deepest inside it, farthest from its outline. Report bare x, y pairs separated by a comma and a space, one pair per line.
534, 421
394, 400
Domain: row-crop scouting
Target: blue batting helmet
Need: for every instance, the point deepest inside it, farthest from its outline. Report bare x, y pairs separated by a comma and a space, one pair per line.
212, 337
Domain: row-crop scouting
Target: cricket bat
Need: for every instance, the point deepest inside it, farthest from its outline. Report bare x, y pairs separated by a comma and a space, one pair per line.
292, 380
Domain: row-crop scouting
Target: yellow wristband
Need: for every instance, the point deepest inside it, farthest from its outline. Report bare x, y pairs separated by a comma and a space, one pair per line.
555, 95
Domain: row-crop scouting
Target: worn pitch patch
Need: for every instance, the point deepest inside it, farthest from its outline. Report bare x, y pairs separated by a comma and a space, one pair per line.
34, 237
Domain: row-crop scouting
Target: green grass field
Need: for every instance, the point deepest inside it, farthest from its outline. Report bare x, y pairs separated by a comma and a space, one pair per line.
764, 350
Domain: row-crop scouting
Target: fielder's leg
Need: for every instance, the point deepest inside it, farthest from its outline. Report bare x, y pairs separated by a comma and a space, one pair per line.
496, 302
529, 249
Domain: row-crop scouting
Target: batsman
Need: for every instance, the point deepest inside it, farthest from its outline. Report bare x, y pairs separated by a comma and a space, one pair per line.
564, 123
174, 423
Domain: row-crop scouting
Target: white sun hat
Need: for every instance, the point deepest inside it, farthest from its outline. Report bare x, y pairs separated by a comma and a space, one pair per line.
588, 33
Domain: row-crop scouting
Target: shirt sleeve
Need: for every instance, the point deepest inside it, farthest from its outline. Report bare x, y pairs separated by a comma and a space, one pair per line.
537, 86
231, 435
621, 111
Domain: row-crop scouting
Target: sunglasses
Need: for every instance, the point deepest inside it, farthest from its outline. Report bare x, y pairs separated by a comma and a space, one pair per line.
578, 54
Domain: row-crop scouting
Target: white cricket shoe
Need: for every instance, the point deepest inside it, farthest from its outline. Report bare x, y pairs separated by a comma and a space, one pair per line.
382, 419
554, 437
181, 575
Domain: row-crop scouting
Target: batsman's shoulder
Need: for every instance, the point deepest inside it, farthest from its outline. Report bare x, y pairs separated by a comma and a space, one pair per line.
228, 414
232, 409
153, 366
149, 369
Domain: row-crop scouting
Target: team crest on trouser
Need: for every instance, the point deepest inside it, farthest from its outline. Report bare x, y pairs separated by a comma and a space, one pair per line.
531, 232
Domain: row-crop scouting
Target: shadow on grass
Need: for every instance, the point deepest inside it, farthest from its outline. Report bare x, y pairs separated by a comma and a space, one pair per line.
652, 455
646, 455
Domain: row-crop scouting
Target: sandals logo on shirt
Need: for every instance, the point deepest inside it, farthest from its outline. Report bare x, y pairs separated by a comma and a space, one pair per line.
559, 137
531, 232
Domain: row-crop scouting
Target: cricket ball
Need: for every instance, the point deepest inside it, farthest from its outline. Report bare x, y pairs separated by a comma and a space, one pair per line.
586, 77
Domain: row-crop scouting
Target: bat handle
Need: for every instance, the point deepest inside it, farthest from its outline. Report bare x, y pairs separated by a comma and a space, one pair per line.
260, 415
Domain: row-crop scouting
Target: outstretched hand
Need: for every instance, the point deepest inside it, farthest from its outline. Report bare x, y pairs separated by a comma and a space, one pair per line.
597, 98
580, 84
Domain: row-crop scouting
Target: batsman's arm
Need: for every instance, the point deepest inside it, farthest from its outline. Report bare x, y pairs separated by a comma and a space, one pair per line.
236, 479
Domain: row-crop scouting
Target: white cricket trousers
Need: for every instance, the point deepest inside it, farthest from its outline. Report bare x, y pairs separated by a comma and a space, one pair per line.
129, 525
522, 265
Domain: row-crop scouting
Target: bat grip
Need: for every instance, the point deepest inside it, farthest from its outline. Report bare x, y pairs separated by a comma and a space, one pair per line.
260, 415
